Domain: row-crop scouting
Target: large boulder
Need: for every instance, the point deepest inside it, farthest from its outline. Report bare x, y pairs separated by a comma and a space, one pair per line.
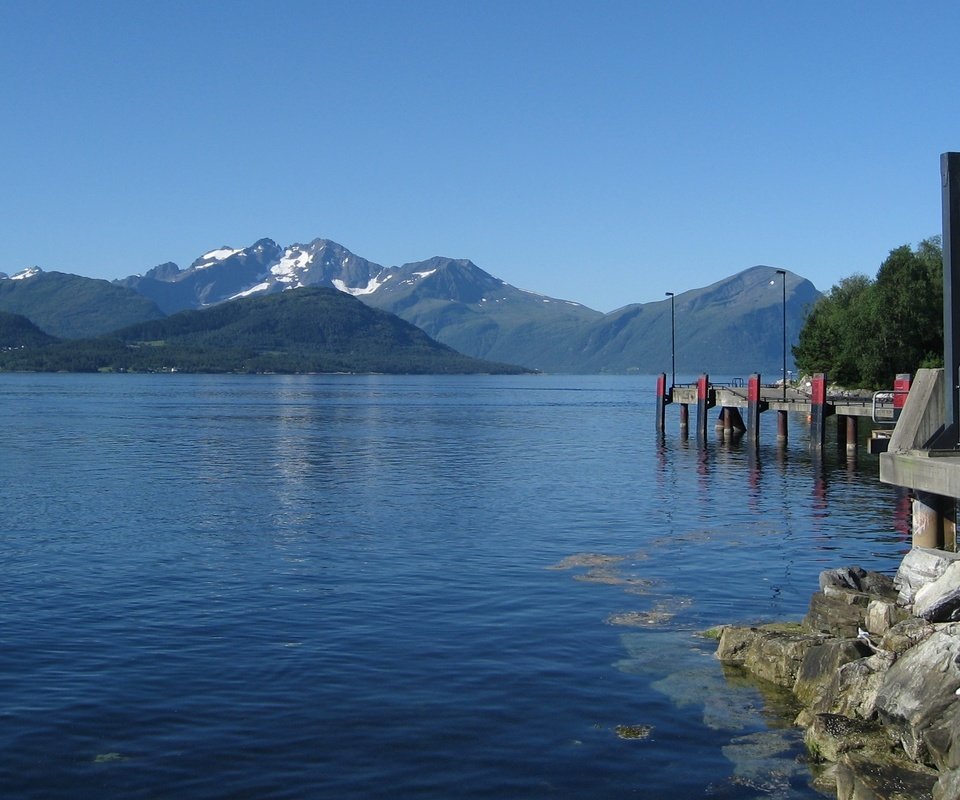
942, 739
948, 786
830, 736
837, 612
865, 777
919, 567
906, 634
841, 606
939, 600
919, 687
771, 652
857, 579
852, 692
820, 664
882, 615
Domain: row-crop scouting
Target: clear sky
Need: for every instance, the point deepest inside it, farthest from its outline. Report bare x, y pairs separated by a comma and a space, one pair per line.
603, 152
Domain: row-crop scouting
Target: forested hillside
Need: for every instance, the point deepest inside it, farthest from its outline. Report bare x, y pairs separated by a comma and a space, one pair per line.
864, 331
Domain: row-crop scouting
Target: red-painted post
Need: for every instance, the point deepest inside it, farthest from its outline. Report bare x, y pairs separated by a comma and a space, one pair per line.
901, 388
754, 408
662, 401
818, 410
703, 405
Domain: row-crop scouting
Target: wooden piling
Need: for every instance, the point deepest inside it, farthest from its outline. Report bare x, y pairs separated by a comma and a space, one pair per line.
818, 410
662, 401
851, 433
703, 405
754, 408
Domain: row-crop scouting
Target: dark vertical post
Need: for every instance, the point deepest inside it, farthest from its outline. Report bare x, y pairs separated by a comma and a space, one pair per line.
733, 420
673, 341
722, 423
818, 409
783, 274
851, 434
703, 393
950, 177
661, 401
781, 426
753, 408
684, 419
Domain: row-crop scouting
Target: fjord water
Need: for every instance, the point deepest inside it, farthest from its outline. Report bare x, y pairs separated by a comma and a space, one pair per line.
428, 587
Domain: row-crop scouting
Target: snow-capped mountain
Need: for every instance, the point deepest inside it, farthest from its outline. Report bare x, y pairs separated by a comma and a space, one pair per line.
228, 273
461, 305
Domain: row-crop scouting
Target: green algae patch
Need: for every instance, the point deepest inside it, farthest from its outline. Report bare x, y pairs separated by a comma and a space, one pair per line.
634, 732
588, 560
109, 758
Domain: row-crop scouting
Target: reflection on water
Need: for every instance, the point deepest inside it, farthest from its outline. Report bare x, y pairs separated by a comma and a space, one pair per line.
342, 586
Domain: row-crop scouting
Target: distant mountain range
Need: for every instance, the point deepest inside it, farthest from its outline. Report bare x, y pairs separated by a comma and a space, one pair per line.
731, 326
310, 330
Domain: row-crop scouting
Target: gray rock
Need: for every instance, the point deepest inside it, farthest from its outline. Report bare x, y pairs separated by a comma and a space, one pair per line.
883, 615
861, 777
918, 688
942, 739
820, 664
858, 580
853, 690
830, 736
837, 611
948, 786
734, 641
904, 635
776, 656
842, 578
919, 567
939, 600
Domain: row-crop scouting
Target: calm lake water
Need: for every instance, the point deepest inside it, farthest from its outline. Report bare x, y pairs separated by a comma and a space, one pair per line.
362, 587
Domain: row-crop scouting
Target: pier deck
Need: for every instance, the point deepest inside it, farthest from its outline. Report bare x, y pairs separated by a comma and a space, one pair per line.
753, 396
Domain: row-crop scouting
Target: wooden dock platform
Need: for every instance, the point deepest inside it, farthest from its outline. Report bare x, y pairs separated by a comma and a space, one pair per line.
754, 398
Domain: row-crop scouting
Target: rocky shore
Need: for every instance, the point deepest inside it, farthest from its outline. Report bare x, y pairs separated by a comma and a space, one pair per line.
876, 666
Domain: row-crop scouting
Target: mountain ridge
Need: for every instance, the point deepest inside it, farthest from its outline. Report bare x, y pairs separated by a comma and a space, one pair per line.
733, 325
311, 329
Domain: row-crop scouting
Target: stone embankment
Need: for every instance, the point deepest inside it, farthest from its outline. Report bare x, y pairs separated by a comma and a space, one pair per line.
876, 665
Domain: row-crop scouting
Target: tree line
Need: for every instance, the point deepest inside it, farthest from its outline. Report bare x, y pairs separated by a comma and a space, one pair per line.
864, 331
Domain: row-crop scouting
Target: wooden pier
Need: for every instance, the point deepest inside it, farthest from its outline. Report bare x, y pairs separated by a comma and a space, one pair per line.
750, 399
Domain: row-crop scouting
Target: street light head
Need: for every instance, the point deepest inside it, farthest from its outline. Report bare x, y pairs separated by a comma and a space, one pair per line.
781, 272
669, 294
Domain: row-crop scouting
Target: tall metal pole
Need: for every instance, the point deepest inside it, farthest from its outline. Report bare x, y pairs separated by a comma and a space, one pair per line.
783, 274
950, 176
673, 341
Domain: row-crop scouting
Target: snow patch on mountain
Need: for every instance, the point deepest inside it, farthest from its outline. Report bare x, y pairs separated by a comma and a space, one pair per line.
260, 287
215, 256
29, 272
290, 267
370, 288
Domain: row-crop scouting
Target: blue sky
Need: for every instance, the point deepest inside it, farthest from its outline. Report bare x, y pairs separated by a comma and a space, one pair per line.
603, 152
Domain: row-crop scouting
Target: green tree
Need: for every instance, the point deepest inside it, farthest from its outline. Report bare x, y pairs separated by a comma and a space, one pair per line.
863, 332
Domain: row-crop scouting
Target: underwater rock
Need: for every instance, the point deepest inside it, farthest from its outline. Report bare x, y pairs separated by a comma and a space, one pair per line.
635, 732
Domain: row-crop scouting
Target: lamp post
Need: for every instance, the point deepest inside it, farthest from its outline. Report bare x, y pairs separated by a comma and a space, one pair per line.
673, 341
783, 274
